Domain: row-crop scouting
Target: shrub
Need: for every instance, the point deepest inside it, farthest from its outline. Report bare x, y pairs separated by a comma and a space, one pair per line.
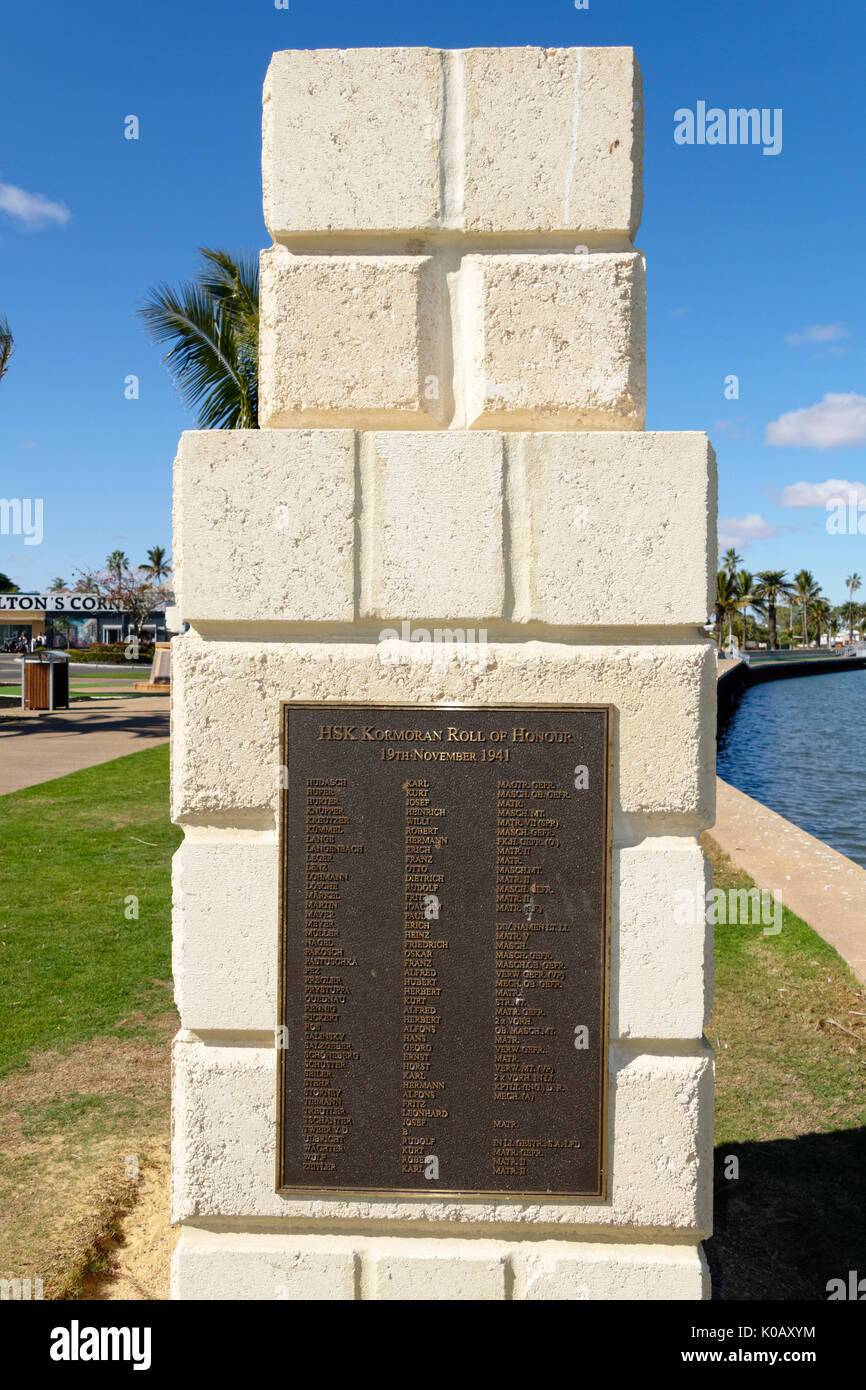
112, 653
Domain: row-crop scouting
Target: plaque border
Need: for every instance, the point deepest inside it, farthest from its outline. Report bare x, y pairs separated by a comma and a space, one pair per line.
316, 1191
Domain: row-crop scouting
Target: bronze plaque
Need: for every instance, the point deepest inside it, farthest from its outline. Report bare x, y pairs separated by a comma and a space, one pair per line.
444, 949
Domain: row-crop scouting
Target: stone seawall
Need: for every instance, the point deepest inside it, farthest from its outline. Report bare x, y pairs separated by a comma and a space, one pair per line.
741, 676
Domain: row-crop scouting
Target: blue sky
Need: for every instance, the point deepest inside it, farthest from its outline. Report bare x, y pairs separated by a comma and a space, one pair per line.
754, 265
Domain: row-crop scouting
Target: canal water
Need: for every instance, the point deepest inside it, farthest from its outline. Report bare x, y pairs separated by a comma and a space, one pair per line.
799, 746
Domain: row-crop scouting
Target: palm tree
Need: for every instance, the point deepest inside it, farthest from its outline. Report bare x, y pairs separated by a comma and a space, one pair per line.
6, 585
744, 584
212, 324
852, 584
157, 566
823, 616
56, 584
805, 591
7, 346
726, 605
116, 562
730, 560
772, 585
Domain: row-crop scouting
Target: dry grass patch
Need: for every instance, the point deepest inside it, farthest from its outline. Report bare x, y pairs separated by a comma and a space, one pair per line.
70, 1123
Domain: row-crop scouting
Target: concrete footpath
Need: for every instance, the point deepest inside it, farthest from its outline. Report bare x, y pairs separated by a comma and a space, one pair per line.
816, 882
38, 748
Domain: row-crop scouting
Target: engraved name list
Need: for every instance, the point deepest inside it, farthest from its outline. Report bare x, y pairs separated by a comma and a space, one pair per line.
443, 954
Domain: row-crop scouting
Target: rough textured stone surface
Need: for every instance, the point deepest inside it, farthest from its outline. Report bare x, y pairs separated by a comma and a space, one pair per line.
225, 703
485, 139
449, 1274
350, 340
433, 524
554, 139
225, 894
603, 522
221, 1265
264, 525
351, 140
224, 1146
556, 341
250, 1265
650, 1273
661, 966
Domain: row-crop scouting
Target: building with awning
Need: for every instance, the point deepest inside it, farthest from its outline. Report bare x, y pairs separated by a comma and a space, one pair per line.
72, 620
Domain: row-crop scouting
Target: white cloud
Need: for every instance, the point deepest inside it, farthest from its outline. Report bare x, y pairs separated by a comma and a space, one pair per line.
836, 421
818, 333
31, 209
819, 494
739, 530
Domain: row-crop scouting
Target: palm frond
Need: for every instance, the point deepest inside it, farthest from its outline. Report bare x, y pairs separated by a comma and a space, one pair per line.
230, 280
7, 346
208, 365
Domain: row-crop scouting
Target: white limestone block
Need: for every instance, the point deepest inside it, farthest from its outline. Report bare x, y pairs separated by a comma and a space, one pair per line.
264, 526
351, 341
559, 1272
351, 140
553, 140
432, 525
485, 139
661, 948
329, 1267
225, 744
225, 924
555, 341
613, 529
243, 1267
452, 1274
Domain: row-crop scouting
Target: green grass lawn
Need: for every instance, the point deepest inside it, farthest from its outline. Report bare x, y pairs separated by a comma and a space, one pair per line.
83, 691
103, 677
790, 1109
73, 963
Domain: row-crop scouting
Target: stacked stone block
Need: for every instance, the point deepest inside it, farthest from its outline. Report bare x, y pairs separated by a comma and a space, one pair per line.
452, 400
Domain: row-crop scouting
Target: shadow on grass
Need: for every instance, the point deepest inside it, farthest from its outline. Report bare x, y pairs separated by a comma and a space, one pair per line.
792, 1220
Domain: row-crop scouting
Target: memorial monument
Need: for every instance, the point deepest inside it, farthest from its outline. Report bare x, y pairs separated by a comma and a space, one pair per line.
444, 720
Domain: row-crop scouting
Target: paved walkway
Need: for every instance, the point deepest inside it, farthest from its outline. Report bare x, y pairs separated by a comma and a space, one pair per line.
816, 882
37, 748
